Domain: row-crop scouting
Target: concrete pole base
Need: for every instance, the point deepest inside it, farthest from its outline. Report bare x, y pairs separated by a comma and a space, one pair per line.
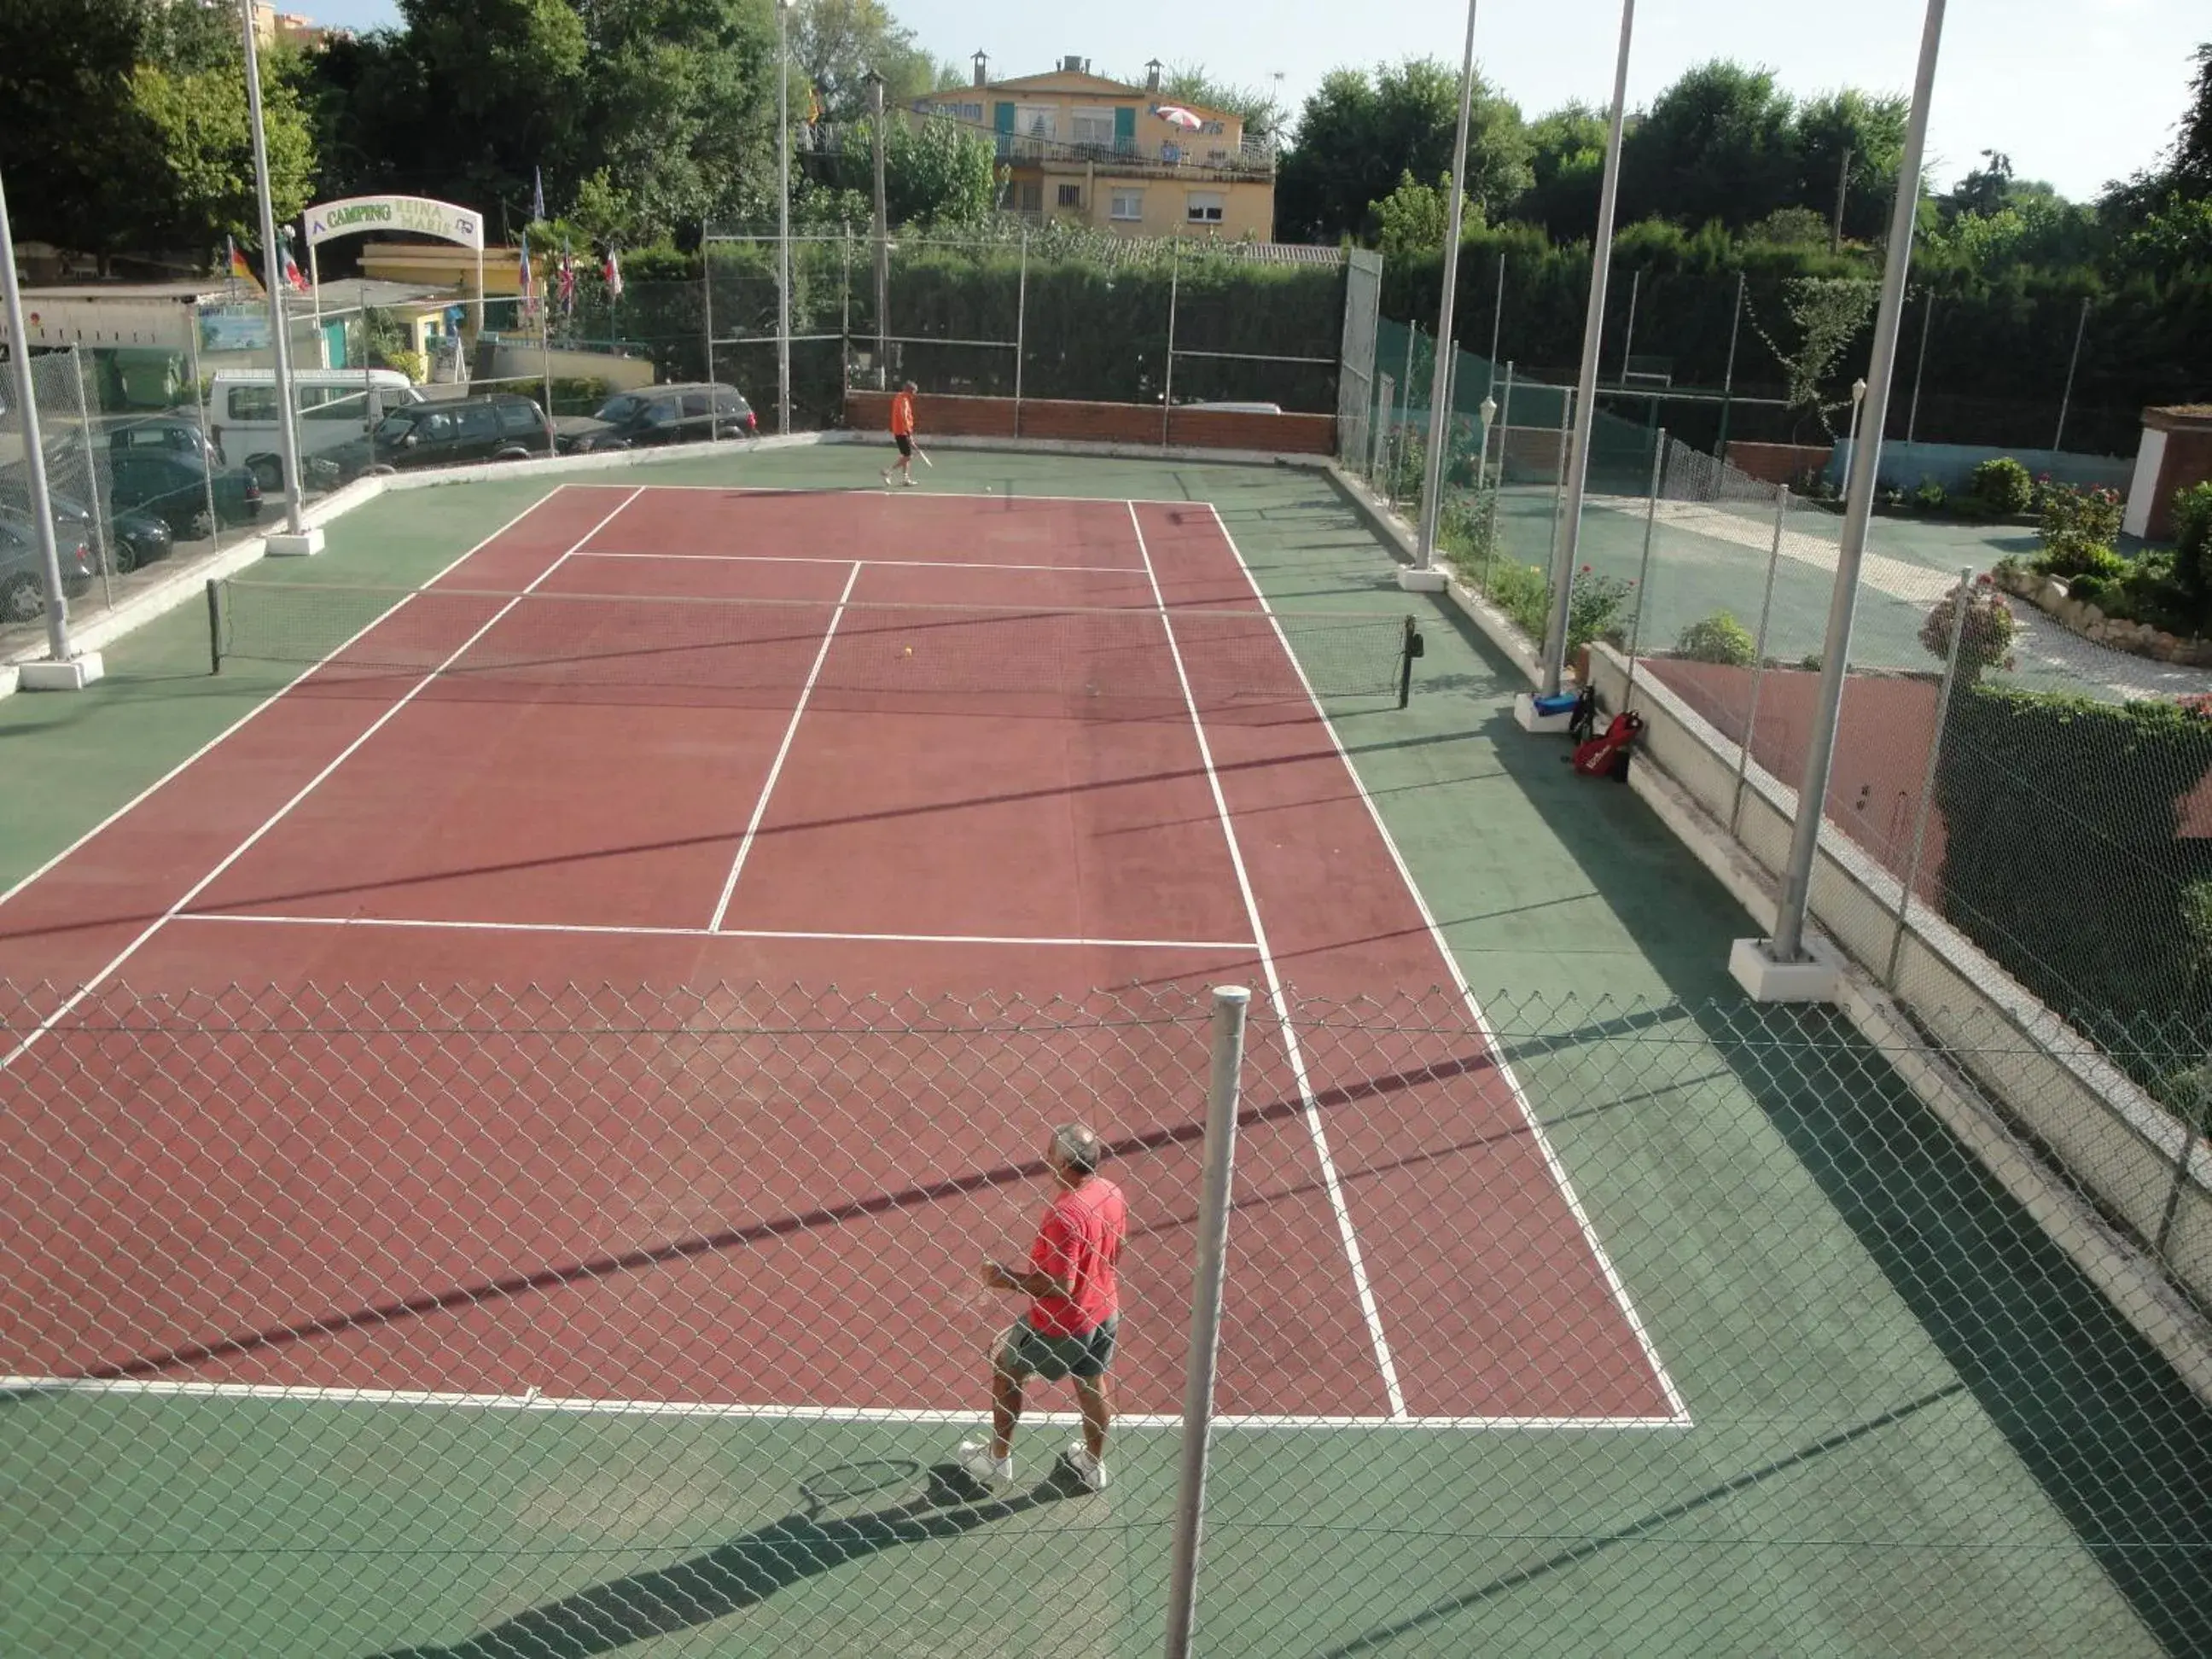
1526, 717
305, 545
1819, 979
1413, 579
71, 674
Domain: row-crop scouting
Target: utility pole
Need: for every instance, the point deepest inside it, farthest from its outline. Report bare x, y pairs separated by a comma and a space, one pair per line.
883, 234
783, 216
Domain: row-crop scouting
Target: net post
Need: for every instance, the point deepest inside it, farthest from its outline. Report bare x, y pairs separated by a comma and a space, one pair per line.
1409, 648
1230, 1003
214, 625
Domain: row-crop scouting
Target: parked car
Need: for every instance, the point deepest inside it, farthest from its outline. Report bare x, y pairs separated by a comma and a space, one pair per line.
683, 414
22, 583
332, 407
451, 432
174, 486
136, 537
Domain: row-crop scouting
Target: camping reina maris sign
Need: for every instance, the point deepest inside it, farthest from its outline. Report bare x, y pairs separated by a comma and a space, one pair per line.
416, 214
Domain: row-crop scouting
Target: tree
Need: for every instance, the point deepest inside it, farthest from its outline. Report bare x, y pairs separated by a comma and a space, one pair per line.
1868, 130
935, 173
836, 42
1413, 218
1358, 135
65, 71
1567, 169
1715, 145
2189, 169
197, 179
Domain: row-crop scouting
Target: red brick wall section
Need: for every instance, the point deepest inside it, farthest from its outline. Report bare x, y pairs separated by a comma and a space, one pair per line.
1053, 419
1777, 464
2187, 461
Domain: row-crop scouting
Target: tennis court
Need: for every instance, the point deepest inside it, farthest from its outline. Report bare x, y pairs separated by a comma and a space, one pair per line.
753, 947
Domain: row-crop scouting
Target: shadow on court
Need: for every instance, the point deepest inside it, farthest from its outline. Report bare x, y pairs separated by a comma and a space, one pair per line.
748, 1569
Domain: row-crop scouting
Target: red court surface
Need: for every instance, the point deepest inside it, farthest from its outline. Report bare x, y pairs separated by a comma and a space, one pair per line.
763, 1205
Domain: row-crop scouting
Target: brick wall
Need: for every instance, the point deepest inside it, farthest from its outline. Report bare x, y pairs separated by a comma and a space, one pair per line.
1053, 419
2187, 461
1778, 463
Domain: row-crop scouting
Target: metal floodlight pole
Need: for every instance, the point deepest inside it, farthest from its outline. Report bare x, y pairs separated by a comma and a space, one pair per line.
878, 142
1175, 283
34, 455
1960, 601
1021, 326
1571, 528
1728, 379
2066, 400
783, 216
707, 300
272, 267
1432, 484
1851, 443
1628, 335
1788, 942
1920, 369
1230, 1005
1644, 563
1497, 327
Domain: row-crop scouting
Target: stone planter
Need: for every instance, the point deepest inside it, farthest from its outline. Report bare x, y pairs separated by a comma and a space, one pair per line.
2048, 594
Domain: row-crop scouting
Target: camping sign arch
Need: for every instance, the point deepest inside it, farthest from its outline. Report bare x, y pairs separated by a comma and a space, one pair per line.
356, 215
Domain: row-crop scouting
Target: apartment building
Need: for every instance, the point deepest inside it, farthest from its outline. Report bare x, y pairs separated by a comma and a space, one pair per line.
1079, 146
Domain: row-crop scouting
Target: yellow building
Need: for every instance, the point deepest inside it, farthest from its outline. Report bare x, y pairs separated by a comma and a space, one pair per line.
1074, 145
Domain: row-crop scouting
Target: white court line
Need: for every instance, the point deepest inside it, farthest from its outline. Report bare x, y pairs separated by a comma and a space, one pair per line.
307, 789
533, 1400
1550, 1157
783, 749
272, 700
1368, 1306
895, 564
876, 492
623, 931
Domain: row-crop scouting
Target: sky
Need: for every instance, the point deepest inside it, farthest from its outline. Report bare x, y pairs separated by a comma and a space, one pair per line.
2077, 92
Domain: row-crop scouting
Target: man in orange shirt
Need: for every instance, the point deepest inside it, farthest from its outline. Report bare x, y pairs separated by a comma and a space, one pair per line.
903, 434
1074, 1312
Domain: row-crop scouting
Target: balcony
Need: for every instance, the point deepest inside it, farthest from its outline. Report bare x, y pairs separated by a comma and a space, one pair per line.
1205, 158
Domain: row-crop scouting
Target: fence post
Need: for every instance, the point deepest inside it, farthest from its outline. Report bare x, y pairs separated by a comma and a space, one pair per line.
1378, 437
200, 403
2192, 1137
102, 536
1560, 486
1644, 566
1167, 394
1928, 781
1728, 379
1920, 368
1230, 1005
1496, 328
1758, 664
1021, 326
1505, 454
2066, 399
707, 304
35, 456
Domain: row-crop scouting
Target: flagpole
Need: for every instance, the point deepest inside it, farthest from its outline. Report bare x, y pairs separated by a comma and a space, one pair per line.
272, 263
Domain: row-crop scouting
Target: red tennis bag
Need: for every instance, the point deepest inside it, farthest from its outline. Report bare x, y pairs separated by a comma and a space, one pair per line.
1607, 755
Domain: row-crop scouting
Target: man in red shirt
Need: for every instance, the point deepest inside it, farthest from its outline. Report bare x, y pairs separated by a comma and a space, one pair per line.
1074, 1311
903, 434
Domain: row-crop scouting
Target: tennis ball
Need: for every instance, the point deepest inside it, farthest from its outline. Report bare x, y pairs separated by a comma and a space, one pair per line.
910, 651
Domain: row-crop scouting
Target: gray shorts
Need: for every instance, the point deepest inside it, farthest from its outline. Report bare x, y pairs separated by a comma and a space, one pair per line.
1026, 1352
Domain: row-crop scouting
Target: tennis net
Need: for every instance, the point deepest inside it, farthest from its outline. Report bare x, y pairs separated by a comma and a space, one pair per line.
1103, 660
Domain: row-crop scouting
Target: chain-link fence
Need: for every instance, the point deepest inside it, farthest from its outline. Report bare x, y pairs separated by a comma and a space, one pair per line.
490, 1323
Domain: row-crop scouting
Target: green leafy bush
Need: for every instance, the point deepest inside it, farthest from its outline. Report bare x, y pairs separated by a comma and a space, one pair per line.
2070, 560
2089, 588
1521, 592
1929, 496
2192, 543
2003, 486
2074, 520
1595, 604
1986, 642
1720, 638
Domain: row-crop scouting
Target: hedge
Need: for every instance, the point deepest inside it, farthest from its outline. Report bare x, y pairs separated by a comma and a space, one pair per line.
2064, 860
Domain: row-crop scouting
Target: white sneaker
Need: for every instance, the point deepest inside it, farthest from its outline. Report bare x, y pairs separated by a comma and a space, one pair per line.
1089, 1470
975, 1460
908, 480
887, 480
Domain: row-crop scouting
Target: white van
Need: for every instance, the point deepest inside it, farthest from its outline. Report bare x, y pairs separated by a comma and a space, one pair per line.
333, 405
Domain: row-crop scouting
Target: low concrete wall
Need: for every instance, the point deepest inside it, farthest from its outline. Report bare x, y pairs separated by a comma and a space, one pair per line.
1903, 465
1055, 420
2117, 1143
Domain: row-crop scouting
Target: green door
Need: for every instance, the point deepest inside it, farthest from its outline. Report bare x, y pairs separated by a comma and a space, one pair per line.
1002, 123
1125, 129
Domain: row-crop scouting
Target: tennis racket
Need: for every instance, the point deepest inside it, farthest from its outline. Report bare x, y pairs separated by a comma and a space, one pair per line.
924, 454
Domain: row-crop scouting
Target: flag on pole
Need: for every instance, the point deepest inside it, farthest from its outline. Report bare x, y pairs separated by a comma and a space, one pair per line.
537, 197
611, 274
567, 281
293, 279
529, 305
240, 269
